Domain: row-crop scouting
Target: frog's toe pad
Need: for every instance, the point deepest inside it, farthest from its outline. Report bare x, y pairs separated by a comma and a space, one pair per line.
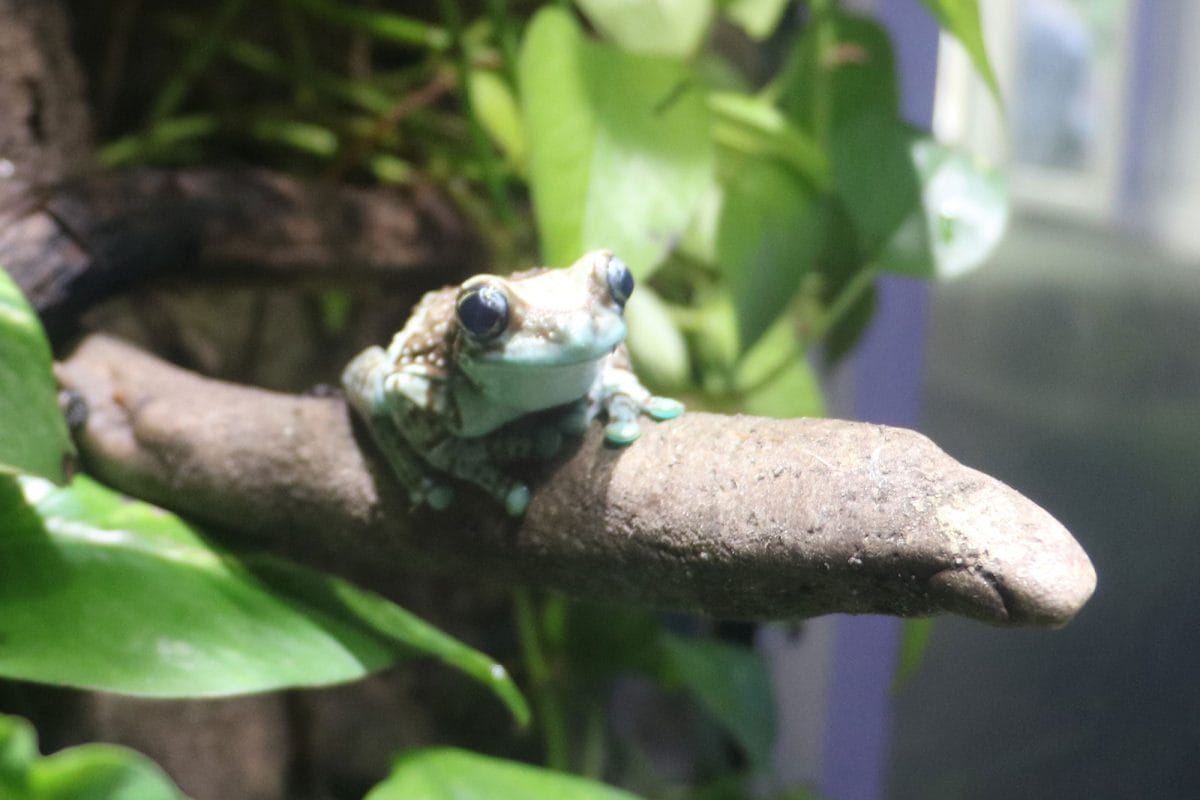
517, 500
662, 408
621, 431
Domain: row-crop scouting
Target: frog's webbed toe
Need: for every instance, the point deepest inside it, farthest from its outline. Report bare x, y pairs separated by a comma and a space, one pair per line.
662, 408
625, 401
517, 500
622, 427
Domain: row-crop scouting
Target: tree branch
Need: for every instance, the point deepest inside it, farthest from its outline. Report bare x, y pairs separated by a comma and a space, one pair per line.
73, 244
732, 516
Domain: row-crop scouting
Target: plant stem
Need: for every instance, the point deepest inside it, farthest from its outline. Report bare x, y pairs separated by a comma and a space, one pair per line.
863, 280
549, 708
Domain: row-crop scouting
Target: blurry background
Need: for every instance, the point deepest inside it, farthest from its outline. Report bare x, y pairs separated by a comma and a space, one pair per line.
1069, 367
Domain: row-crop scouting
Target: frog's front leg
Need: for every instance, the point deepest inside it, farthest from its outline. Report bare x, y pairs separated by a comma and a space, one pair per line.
371, 390
623, 399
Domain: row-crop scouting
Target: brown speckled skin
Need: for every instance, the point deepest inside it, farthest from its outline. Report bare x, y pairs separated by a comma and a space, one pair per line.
431, 336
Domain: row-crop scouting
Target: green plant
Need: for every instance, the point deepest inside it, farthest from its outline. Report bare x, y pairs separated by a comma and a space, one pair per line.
756, 206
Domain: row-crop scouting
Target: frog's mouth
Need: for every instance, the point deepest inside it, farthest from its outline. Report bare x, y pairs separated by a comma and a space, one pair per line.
534, 385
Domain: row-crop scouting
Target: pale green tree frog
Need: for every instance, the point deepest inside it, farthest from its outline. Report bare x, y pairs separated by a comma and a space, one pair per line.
497, 370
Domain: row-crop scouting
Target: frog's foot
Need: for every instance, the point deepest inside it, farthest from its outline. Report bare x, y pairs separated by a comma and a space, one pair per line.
623, 410
662, 408
514, 494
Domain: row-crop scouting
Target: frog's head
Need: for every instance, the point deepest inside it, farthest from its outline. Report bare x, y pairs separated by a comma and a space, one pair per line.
539, 339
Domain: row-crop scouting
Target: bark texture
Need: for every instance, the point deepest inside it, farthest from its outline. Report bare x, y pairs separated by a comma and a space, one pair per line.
731, 516
87, 239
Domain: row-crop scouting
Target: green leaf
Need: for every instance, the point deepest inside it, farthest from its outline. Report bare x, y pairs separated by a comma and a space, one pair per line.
732, 684
652, 27
99, 772
793, 392
655, 343
102, 592
840, 87
619, 151
33, 434
604, 639
962, 218
304, 137
18, 750
754, 127
776, 379
495, 107
451, 774
770, 234
914, 642
383, 25
960, 18
87, 772
756, 17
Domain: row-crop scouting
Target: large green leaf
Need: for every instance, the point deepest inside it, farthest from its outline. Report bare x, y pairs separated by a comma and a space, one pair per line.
962, 217
450, 774
102, 592
33, 435
494, 106
87, 772
840, 88
655, 343
753, 126
961, 19
775, 379
654, 27
770, 233
732, 684
619, 147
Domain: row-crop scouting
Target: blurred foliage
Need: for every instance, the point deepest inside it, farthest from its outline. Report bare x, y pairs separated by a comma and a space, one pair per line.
87, 772
747, 158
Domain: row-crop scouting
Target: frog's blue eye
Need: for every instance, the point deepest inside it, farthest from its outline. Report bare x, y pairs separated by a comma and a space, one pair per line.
620, 281
483, 311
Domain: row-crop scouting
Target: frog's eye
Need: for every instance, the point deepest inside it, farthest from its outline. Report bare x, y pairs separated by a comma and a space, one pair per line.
483, 311
620, 281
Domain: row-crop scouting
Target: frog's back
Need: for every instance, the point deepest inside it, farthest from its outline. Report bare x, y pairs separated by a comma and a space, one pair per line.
428, 336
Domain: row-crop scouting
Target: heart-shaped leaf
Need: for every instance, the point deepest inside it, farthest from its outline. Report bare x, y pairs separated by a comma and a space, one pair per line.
619, 145
103, 592
450, 774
